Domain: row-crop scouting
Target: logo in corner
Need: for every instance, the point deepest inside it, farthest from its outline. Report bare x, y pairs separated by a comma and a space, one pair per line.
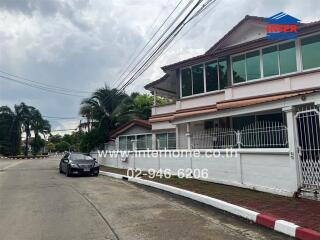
282, 26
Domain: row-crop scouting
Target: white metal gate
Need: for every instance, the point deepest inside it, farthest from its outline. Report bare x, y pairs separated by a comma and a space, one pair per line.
308, 134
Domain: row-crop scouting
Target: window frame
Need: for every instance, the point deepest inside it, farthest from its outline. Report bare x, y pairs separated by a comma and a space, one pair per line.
135, 137
260, 49
300, 53
167, 140
205, 92
299, 67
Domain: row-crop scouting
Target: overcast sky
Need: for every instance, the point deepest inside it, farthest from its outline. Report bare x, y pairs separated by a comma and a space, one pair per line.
82, 44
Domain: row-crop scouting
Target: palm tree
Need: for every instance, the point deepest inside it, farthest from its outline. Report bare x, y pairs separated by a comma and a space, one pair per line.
23, 113
39, 126
107, 108
12, 123
31, 120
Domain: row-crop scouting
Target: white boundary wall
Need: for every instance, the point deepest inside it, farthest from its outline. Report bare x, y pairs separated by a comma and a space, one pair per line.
268, 170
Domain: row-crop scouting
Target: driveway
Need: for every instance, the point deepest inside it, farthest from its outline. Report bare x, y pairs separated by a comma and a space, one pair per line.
36, 202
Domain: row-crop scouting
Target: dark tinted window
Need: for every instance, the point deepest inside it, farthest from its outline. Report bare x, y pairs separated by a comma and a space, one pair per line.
212, 76
239, 69
197, 79
223, 77
186, 82
253, 65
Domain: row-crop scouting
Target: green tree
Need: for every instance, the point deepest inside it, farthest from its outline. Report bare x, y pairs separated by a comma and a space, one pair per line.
12, 123
62, 146
10, 131
51, 147
37, 144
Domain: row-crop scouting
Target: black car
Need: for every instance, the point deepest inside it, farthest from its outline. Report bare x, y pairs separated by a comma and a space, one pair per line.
78, 163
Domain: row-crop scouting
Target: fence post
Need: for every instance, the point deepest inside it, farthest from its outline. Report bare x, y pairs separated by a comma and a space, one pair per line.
239, 139
188, 135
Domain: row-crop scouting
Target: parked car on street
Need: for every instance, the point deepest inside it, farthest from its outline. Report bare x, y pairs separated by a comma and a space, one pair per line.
78, 163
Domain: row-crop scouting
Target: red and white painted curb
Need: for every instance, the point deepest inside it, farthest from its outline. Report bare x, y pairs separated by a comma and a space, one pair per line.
278, 225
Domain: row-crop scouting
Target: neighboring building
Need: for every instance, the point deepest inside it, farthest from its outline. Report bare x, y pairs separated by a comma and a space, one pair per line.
250, 93
135, 135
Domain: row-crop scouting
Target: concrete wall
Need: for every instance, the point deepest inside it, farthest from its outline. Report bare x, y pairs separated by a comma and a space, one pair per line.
268, 170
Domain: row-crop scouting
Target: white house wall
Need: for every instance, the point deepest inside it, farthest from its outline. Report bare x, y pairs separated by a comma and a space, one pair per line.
255, 88
264, 170
162, 125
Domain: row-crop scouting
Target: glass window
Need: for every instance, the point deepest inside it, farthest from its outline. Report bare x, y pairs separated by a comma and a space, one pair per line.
166, 140
211, 77
197, 79
123, 143
144, 142
223, 77
310, 48
186, 82
238, 67
287, 57
270, 61
171, 140
130, 140
141, 142
162, 141
253, 65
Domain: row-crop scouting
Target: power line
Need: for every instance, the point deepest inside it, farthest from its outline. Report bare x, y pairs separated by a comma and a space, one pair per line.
165, 43
148, 59
40, 87
157, 42
152, 37
61, 117
44, 84
211, 8
63, 130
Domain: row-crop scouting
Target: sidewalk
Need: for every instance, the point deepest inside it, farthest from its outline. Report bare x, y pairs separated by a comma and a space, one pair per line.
303, 212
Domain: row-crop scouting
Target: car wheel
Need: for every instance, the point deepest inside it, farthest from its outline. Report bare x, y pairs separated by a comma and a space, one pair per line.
96, 174
60, 169
68, 172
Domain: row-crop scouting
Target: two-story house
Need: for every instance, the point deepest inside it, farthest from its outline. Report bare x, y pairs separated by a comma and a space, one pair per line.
247, 92
244, 78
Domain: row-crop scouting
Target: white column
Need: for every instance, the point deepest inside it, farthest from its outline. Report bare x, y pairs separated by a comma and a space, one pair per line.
188, 135
177, 137
292, 142
154, 141
154, 97
117, 143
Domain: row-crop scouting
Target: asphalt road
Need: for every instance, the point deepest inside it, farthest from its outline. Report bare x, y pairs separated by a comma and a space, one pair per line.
36, 202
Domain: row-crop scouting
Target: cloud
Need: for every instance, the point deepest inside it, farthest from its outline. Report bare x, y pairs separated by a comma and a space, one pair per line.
83, 45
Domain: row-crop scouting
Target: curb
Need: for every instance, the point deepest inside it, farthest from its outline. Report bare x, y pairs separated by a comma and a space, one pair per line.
268, 221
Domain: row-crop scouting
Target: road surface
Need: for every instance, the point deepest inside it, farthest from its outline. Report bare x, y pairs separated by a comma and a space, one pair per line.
36, 202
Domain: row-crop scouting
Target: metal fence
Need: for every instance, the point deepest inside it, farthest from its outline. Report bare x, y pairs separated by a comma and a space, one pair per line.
264, 135
214, 138
257, 135
308, 134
